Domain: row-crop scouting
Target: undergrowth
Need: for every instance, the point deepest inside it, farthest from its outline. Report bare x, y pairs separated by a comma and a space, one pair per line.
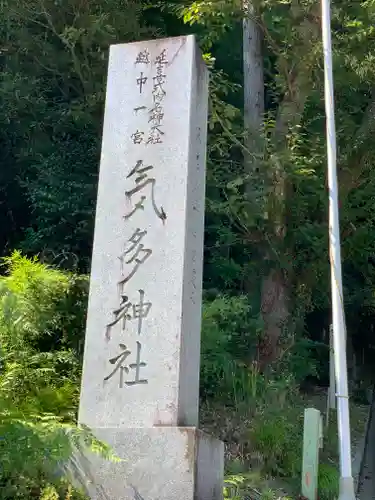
258, 416
39, 382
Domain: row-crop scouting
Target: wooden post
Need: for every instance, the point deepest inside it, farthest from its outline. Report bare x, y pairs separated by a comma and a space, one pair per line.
312, 441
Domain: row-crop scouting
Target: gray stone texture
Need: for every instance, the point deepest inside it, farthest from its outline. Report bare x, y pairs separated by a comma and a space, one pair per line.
171, 276
163, 463
140, 383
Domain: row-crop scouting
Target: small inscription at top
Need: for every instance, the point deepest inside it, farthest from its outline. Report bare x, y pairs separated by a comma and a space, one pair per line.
141, 81
156, 113
143, 57
162, 58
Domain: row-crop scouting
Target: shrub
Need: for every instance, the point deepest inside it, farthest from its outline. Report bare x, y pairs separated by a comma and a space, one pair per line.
41, 319
328, 482
229, 340
40, 366
279, 441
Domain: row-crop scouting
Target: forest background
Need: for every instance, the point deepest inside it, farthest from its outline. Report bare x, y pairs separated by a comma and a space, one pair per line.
266, 275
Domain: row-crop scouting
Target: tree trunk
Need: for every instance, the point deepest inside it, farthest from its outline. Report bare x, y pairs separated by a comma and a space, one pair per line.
273, 292
253, 86
298, 82
253, 100
274, 309
298, 76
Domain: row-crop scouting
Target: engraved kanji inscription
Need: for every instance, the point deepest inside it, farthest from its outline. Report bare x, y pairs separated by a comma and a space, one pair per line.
128, 311
140, 108
159, 79
135, 254
118, 362
123, 368
156, 116
120, 314
137, 495
140, 173
137, 366
156, 113
161, 59
155, 136
141, 81
141, 310
158, 94
143, 57
137, 137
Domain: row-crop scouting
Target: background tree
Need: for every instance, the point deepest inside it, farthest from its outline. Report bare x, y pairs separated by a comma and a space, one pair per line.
271, 245
52, 95
266, 274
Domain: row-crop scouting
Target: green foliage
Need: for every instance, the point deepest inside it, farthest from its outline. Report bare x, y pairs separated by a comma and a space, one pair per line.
33, 450
229, 339
307, 358
278, 439
53, 73
328, 482
238, 235
41, 326
264, 433
39, 380
53, 79
53, 68
250, 485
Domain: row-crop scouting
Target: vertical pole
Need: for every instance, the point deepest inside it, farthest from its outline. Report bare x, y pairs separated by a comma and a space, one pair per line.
331, 395
332, 382
338, 319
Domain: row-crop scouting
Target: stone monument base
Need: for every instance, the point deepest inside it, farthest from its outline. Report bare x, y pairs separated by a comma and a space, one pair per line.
162, 463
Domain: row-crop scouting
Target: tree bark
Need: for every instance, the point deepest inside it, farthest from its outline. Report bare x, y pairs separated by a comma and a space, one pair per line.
253, 100
253, 85
275, 294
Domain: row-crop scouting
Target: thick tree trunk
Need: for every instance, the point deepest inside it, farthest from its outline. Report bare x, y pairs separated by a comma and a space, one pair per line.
253, 86
274, 309
275, 299
298, 76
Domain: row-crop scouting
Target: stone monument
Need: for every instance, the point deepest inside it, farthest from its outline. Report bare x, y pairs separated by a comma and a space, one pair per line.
140, 383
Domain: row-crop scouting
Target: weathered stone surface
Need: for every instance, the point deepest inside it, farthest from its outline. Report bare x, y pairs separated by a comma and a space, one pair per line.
153, 244
140, 384
163, 463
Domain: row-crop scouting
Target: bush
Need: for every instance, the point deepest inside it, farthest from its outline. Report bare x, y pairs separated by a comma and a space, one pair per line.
279, 441
41, 323
328, 482
228, 347
306, 359
40, 364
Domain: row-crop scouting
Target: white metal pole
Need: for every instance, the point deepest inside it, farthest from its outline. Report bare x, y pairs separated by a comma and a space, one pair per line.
332, 381
338, 318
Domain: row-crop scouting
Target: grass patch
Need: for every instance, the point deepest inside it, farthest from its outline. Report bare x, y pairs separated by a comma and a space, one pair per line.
264, 437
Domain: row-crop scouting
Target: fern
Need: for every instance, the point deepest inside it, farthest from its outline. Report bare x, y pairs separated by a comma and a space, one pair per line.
39, 383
